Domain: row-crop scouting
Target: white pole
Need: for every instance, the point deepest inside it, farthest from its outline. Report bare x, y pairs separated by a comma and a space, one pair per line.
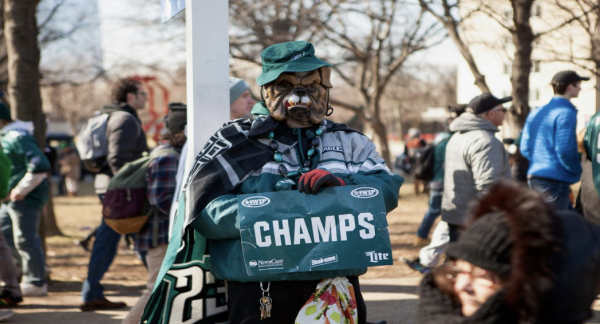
207, 51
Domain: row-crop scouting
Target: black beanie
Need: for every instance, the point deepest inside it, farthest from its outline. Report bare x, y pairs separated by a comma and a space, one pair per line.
487, 243
176, 119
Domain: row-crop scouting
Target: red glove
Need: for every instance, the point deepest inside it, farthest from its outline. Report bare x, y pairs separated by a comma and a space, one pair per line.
312, 181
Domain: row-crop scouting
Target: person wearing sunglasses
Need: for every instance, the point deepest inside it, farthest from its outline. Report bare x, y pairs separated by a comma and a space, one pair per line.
518, 261
549, 142
474, 158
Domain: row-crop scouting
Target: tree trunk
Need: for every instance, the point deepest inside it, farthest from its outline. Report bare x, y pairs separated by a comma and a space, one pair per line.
522, 38
21, 31
50, 226
3, 54
380, 132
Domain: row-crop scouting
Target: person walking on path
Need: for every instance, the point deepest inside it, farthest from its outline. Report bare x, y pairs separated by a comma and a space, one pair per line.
412, 148
436, 185
10, 293
475, 158
549, 142
29, 189
429, 255
154, 237
70, 168
126, 142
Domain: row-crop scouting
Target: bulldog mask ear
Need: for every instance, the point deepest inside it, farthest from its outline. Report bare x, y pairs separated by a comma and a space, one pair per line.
325, 73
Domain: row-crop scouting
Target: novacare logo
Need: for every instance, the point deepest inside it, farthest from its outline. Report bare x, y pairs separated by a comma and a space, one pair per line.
364, 192
255, 202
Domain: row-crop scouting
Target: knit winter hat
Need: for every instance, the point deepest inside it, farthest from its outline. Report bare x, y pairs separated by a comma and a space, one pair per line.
487, 243
236, 88
176, 119
4, 111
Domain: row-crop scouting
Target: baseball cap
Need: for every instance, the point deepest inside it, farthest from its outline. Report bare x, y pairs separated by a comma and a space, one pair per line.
568, 77
485, 102
298, 56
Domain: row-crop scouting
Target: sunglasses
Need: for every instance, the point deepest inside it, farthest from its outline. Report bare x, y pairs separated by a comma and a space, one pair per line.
504, 110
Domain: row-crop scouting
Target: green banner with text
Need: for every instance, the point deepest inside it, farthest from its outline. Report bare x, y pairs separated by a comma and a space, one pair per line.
339, 228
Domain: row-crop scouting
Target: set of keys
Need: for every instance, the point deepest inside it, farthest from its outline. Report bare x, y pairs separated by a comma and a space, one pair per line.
265, 302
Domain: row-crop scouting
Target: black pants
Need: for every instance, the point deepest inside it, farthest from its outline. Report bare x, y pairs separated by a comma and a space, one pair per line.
288, 298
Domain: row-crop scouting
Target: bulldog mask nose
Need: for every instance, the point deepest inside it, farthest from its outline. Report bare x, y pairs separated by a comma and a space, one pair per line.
300, 92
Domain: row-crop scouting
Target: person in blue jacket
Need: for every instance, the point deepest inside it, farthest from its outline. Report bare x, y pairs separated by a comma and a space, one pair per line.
549, 142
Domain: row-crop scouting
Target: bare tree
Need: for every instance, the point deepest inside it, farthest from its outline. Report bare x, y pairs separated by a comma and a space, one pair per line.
586, 14
450, 18
260, 24
395, 32
517, 23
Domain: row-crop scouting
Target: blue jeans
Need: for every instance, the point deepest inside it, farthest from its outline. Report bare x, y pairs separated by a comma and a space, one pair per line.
435, 210
555, 192
103, 254
20, 226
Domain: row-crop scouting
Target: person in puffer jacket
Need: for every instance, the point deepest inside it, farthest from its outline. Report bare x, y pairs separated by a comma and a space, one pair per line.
518, 261
475, 158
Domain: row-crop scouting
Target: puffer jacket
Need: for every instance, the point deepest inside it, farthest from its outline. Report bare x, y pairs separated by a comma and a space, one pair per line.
475, 158
350, 156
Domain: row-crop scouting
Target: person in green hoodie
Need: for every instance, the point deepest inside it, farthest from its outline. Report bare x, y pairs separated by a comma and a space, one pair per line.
28, 191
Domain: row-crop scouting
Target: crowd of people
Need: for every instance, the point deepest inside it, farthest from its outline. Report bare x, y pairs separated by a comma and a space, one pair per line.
504, 251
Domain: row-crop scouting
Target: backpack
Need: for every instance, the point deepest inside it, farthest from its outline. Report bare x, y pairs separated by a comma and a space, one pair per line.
425, 162
125, 207
92, 143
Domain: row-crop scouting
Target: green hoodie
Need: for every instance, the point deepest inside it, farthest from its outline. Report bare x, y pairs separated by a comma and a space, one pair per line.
25, 156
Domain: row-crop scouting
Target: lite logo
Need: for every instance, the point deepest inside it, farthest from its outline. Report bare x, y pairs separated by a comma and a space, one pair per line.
255, 202
375, 257
364, 192
252, 263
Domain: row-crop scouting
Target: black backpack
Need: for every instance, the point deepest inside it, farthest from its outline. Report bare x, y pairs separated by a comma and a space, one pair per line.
425, 162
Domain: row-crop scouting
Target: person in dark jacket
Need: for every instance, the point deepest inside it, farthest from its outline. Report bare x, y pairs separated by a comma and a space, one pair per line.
518, 261
126, 142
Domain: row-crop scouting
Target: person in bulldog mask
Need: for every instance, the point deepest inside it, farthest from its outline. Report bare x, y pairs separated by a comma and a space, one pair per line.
287, 145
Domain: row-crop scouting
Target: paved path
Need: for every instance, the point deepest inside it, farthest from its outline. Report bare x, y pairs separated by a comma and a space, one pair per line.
393, 300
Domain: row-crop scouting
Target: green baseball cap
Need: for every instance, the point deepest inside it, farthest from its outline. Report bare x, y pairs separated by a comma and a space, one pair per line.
296, 56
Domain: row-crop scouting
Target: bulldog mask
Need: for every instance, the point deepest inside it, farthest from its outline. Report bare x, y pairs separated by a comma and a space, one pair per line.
299, 98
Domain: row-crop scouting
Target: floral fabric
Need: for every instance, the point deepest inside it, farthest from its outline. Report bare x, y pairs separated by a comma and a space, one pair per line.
333, 302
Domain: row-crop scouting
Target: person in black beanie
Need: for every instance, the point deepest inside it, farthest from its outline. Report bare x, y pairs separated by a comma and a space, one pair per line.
518, 261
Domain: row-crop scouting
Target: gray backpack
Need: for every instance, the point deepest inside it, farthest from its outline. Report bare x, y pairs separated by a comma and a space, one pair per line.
92, 143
